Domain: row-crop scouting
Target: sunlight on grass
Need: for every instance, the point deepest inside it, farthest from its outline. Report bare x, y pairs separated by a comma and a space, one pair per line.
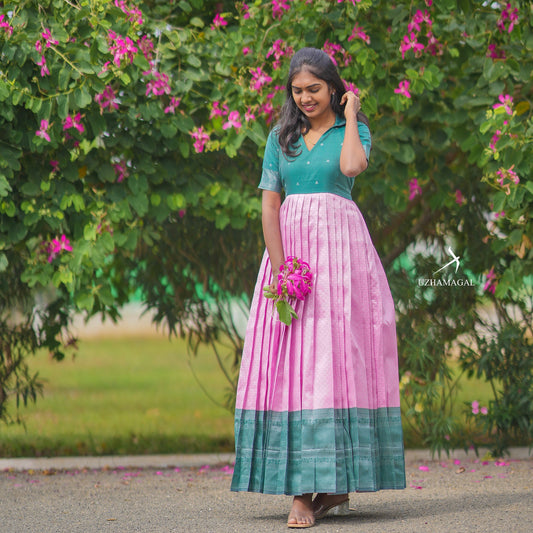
124, 395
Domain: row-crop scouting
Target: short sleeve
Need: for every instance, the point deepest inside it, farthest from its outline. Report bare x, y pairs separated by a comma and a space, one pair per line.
270, 178
366, 138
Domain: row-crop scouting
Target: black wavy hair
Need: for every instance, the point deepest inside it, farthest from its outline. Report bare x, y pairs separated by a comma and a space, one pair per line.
293, 122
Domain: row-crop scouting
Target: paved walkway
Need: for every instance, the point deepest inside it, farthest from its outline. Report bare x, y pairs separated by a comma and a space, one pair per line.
190, 494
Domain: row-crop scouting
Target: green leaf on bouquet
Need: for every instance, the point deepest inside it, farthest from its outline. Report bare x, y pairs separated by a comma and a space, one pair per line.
286, 312
268, 293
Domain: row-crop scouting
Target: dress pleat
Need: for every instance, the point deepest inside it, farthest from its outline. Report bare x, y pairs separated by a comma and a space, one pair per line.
318, 407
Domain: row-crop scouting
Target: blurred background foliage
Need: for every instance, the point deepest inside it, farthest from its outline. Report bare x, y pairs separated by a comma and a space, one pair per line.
131, 136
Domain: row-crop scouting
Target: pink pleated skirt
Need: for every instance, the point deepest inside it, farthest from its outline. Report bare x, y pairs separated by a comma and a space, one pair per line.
318, 405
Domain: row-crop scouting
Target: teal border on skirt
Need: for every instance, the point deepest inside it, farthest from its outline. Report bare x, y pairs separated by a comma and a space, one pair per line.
324, 450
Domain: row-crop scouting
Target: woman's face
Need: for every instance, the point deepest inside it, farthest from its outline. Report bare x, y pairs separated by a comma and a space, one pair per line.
312, 95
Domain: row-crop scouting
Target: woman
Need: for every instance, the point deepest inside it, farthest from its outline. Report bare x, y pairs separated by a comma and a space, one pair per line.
318, 407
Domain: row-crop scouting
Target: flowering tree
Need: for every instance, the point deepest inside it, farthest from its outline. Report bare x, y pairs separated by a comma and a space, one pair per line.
133, 130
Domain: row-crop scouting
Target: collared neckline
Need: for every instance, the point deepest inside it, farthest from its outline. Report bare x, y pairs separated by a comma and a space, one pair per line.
339, 122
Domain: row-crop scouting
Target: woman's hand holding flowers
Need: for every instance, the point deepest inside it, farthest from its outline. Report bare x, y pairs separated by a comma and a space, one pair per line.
294, 282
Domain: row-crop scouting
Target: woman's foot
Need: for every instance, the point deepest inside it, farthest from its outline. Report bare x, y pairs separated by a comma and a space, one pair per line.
325, 502
302, 515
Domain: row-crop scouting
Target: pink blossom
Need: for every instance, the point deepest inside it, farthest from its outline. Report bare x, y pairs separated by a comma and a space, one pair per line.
403, 89
507, 14
484, 411
107, 98
434, 46
423, 17
57, 246
423, 468
413, 26
418, 19
495, 53
43, 131
332, 48
249, 115
121, 170
500, 214
259, 79
245, 11
513, 17
512, 175
294, 281
218, 21
174, 103
246, 50
491, 283
159, 85
358, 33
55, 165
459, 198
44, 69
39, 46
278, 7
268, 109
506, 101
233, 121
48, 40
146, 46
7, 27
278, 50
349, 86
494, 140
410, 42
73, 122
475, 407
105, 68
414, 189
506, 177
217, 111
201, 137
122, 48
133, 14
509, 173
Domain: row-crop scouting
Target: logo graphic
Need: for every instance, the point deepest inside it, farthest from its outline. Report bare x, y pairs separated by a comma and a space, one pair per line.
454, 260
445, 281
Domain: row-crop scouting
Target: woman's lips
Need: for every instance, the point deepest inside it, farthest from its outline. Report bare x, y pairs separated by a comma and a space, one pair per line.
309, 107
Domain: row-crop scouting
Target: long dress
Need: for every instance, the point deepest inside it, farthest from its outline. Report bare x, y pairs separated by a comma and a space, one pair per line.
318, 405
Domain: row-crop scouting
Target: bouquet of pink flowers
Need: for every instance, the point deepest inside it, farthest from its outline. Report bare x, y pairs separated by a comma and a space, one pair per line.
295, 280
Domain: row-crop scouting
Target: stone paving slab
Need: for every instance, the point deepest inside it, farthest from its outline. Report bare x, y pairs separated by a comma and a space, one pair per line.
191, 494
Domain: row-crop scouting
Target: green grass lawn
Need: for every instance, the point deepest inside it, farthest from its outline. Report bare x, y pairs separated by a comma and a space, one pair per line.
137, 396
123, 396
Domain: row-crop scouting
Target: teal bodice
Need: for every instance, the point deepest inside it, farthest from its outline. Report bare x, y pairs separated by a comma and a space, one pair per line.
312, 171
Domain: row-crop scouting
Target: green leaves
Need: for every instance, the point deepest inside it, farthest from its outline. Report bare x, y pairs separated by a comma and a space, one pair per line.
132, 175
285, 312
